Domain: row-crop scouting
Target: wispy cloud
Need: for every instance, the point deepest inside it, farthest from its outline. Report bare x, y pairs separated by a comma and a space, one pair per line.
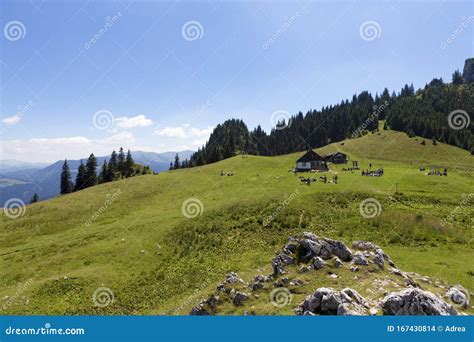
184, 132
52, 149
134, 121
11, 120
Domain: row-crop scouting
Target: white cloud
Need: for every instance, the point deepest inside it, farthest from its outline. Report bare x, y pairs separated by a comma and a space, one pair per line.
135, 121
184, 132
12, 120
171, 132
52, 149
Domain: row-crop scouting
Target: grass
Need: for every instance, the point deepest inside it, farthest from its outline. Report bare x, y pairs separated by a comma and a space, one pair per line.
157, 261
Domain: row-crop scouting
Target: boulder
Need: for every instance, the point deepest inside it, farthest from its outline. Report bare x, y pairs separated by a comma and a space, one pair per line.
339, 249
199, 310
370, 246
233, 278
415, 301
318, 263
359, 259
327, 301
239, 298
379, 259
258, 282
458, 295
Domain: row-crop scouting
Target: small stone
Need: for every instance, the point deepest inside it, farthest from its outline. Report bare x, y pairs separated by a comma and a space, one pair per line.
239, 298
318, 263
337, 262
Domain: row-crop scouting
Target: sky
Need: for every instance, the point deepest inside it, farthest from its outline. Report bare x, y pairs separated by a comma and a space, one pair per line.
81, 77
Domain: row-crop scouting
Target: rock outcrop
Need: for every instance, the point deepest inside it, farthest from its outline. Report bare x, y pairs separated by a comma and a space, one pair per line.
312, 258
415, 301
326, 301
468, 72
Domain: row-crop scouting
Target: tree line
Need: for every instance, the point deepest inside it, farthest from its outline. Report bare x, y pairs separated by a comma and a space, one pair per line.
119, 165
423, 112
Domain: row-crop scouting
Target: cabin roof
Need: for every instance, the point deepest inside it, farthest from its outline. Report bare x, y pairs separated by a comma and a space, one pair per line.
309, 157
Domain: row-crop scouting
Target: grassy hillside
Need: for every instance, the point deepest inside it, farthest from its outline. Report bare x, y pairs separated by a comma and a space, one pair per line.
132, 237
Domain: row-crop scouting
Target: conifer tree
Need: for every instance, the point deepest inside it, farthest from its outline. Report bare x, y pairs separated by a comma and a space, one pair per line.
129, 164
91, 172
103, 173
121, 162
176, 162
35, 198
112, 168
66, 183
80, 177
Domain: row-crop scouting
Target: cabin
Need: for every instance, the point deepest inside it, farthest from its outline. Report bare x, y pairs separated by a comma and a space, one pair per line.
311, 161
336, 158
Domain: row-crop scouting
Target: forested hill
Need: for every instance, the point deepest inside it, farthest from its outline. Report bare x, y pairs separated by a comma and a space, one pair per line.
425, 112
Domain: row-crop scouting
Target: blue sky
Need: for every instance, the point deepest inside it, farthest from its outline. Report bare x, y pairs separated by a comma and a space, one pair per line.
152, 85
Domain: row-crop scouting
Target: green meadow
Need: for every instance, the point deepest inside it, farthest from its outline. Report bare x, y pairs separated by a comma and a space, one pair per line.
131, 235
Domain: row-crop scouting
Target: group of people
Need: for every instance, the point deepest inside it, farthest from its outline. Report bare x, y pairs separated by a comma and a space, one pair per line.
323, 178
434, 172
226, 174
373, 173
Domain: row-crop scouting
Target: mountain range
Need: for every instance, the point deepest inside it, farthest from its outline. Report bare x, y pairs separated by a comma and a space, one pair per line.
21, 180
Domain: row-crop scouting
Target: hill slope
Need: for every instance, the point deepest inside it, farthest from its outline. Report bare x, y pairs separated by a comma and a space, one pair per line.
137, 236
46, 181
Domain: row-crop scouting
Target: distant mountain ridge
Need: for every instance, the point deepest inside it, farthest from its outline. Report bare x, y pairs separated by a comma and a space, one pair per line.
45, 180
